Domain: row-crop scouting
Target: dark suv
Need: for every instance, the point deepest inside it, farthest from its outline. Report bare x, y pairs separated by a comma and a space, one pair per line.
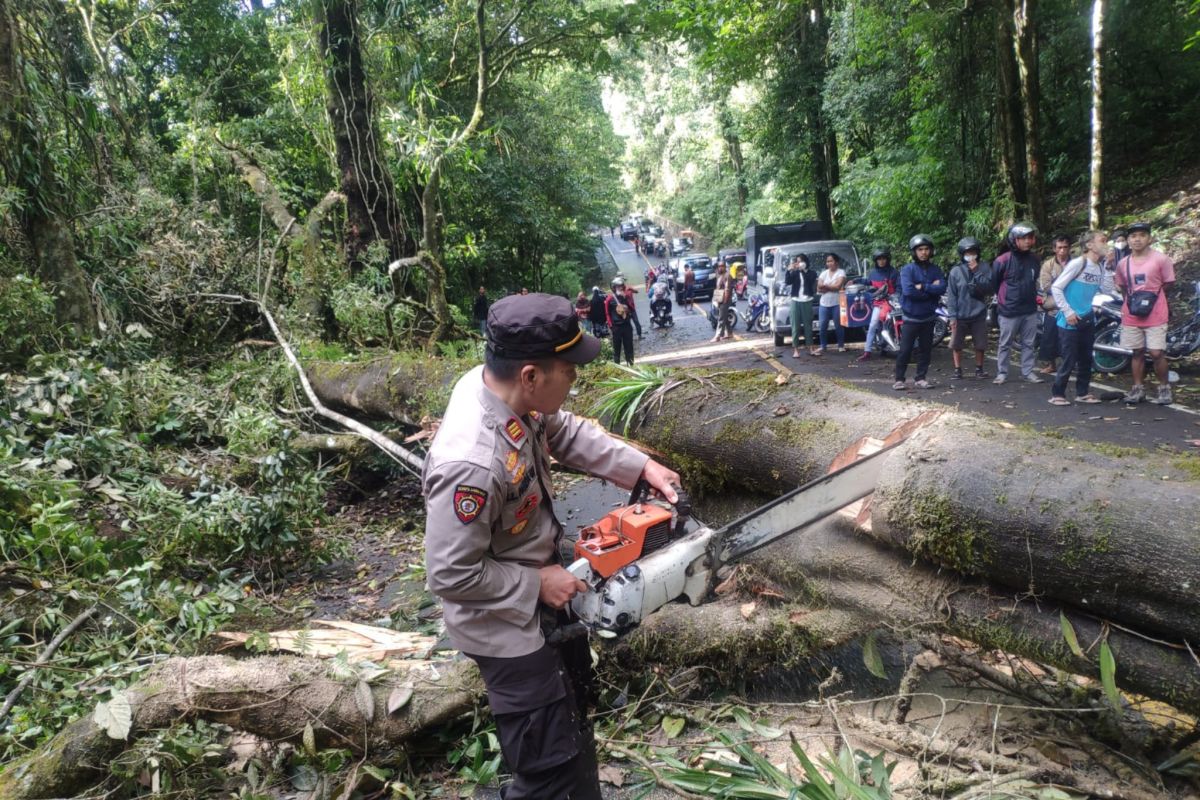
705, 276
629, 231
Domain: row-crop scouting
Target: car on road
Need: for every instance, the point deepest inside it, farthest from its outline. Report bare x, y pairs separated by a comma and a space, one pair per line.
680, 245
705, 272
649, 240
629, 231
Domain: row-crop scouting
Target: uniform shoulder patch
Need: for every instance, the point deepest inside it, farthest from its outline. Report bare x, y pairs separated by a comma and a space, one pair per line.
514, 430
468, 502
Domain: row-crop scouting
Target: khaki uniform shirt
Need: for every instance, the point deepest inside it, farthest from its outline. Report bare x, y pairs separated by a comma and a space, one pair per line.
490, 523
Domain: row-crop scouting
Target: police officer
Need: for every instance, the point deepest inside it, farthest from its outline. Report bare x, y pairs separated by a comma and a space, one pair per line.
491, 537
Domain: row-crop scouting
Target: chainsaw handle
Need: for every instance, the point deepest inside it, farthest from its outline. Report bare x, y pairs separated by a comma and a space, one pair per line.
639, 493
683, 503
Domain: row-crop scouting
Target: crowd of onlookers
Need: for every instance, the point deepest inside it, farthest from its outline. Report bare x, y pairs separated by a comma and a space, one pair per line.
1052, 298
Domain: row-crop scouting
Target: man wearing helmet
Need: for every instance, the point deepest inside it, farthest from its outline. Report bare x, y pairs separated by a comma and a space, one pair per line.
1016, 276
968, 291
921, 284
619, 315
885, 281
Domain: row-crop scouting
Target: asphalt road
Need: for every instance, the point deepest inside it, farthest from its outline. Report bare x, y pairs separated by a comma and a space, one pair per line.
1146, 425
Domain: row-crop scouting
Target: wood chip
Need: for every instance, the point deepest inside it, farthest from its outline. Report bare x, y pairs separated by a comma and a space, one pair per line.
781, 411
747, 609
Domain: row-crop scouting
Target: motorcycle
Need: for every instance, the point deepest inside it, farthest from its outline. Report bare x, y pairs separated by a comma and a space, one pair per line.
1107, 353
756, 317
731, 316
660, 313
741, 285
891, 320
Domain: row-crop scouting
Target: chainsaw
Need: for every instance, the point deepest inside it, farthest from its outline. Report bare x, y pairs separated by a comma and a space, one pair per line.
640, 557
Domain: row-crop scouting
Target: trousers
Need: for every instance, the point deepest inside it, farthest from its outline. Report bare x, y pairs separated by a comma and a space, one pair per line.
1075, 352
1019, 332
920, 334
622, 336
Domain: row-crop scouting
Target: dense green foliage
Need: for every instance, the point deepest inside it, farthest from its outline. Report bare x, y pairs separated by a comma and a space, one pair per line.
905, 101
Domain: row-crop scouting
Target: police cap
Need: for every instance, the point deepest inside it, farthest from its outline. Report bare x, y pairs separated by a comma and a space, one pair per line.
535, 326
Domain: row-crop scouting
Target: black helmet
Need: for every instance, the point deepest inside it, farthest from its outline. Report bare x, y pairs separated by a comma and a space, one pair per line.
968, 243
918, 241
1018, 230
881, 252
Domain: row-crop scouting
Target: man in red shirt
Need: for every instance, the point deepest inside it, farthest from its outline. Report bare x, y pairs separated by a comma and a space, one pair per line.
1145, 270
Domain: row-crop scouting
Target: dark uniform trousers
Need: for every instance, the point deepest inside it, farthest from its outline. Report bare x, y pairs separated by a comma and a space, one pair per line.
540, 704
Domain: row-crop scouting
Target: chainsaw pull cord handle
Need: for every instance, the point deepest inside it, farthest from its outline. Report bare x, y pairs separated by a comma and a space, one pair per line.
639, 493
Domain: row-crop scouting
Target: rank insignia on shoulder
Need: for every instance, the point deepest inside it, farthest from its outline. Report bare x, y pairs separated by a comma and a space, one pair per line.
468, 502
520, 526
514, 430
510, 461
527, 506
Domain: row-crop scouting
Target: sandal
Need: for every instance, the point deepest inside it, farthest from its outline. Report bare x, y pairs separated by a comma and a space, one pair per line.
1059, 401
1090, 399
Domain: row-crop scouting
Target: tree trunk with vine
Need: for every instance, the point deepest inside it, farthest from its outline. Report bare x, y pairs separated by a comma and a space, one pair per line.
373, 210
1025, 49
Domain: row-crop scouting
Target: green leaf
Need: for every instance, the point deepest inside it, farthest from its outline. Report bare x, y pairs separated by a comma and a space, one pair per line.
1069, 634
1108, 676
871, 658
673, 726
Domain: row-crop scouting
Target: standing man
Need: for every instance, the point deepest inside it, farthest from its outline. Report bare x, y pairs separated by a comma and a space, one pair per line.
689, 284
722, 297
479, 310
1051, 268
620, 320
968, 291
885, 281
1073, 292
1016, 274
1142, 274
491, 538
921, 284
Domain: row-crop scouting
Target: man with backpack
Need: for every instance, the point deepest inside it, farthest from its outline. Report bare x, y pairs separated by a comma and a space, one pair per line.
967, 294
1015, 284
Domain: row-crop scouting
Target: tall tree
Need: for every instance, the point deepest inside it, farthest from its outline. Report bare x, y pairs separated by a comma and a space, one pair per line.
1096, 195
27, 161
1024, 45
373, 212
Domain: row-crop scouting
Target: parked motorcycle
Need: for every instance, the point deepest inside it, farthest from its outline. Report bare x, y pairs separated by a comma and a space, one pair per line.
755, 316
891, 320
1183, 339
731, 316
741, 285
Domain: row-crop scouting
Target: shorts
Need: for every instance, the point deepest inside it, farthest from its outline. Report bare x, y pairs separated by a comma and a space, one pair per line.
1136, 338
977, 328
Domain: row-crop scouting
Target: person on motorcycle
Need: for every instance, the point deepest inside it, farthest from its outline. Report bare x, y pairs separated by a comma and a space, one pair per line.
884, 280
660, 299
1015, 276
1073, 291
968, 291
921, 285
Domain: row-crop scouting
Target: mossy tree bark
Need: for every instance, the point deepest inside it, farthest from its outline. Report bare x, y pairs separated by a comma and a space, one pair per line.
271, 697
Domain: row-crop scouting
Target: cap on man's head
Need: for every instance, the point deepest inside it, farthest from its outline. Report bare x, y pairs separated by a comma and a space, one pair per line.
1139, 226
535, 326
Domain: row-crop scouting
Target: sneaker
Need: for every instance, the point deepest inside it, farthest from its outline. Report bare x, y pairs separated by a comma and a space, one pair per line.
1164, 396
999, 379
841, 349
865, 356
980, 372
924, 384
1136, 394
957, 374
899, 386
1031, 378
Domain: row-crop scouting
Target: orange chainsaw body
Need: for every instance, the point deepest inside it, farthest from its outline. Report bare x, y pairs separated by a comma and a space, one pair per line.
623, 536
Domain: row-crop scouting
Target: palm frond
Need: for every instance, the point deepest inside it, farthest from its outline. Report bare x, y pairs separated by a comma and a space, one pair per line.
621, 404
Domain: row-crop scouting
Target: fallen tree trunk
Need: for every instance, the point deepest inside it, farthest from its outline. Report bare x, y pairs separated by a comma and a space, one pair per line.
273, 697
1004, 504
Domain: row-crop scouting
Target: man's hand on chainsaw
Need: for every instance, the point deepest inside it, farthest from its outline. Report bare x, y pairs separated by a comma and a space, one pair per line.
558, 586
662, 480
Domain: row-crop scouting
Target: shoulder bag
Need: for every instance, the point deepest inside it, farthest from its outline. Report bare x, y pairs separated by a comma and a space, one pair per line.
1141, 302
